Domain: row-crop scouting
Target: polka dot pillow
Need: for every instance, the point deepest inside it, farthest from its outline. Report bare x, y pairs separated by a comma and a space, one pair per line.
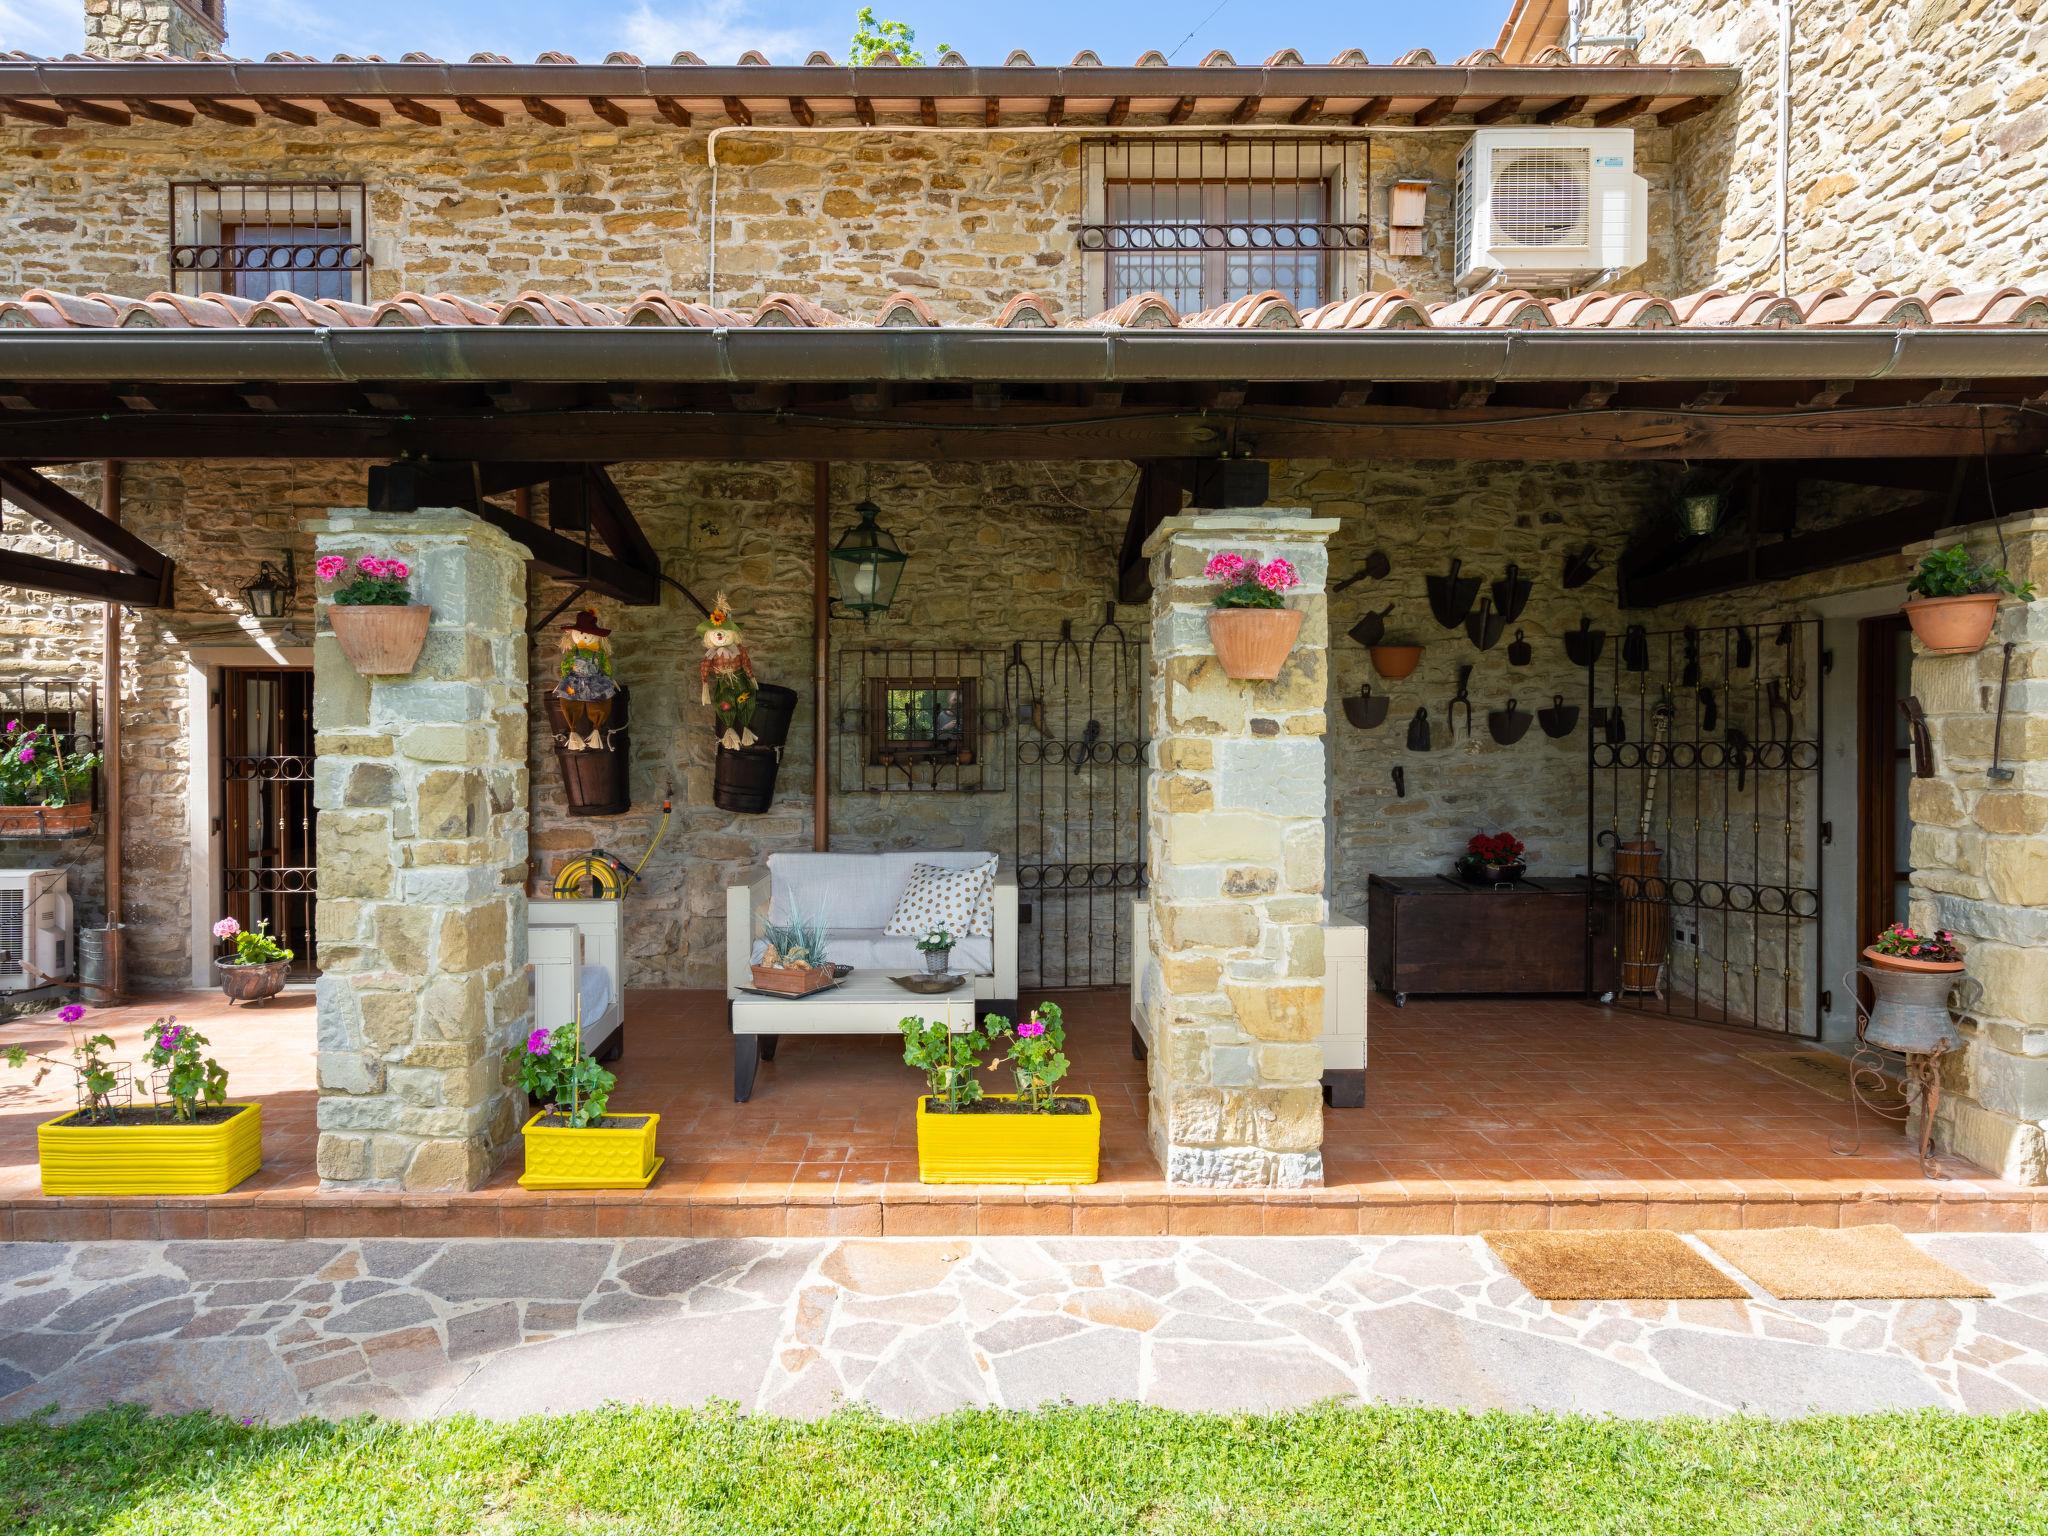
961, 901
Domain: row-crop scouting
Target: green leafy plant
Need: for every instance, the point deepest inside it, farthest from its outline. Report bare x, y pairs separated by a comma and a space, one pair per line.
797, 941
872, 37
1248, 584
368, 581
36, 770
553, 1068
253, 946
190, 1081
947, 1061
1955, 572
1036, 1056
938, 941
98, 1078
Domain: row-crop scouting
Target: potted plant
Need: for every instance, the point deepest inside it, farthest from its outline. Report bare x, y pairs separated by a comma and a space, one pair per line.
1395, 659
44, 792
1493, 858
257, 969
1036, 1135
572, 1141
1250, 626
1900, 948
794, 961
378, 626
189, 1141
937, 949
1954, 600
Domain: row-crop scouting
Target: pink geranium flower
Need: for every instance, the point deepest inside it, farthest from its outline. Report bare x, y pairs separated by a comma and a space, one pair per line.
226, 928
1277, 575
26, 755
71, 1013
1031, 1028
1226, 565
397, 570
537, 1043
330, 567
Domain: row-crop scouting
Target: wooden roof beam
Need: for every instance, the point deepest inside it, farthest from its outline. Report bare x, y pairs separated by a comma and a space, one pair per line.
610, 111
78, 521
672, 111
1055, 111
416, 111
800, 109
1308, 111
1494, 111
1119, 109
1435, 111
352, 111
864, 110
1685, 110
1372, 111
541, 110
1558, 111
1247, 109
1621, 111
93, 112
1181, 110
67, 579
479, 112
287, 111
991, 112
221, 112
928, 111
28, 112
157, 112
737, 114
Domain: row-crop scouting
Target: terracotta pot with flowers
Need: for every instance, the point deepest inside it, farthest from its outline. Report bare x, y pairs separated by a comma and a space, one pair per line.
45, 792
255, 973
1900, 948
1036, 1135
1250, 625
380, 629
1493, 858
573, 1141
1953, 600
189, 1140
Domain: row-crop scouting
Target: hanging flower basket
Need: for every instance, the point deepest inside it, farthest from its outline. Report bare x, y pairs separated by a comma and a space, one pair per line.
381, 641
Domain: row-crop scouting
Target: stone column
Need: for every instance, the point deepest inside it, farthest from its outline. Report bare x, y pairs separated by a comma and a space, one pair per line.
1235, 806
421, 783
1980, 863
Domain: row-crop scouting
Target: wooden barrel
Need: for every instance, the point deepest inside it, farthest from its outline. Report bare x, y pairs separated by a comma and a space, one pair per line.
774, 708
594, 783
744, 781
1645, 916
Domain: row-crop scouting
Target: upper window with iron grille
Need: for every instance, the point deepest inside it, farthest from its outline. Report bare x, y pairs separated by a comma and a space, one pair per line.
256, 238
1204, 221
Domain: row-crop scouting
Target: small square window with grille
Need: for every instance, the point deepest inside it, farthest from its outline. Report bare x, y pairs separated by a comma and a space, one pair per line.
925, 721
256, 238
1201, 222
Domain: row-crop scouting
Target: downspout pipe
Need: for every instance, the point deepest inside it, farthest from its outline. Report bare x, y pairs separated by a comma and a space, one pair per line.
114, 956
1784, 115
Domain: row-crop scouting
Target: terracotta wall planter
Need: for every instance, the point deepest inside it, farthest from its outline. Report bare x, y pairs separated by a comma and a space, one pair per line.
1953, 626
46, 821
381, 641
1394, 662
1252, 643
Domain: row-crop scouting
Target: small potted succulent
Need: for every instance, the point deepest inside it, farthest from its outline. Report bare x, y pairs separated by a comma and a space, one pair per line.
793, 961
937, 949
1493, 858
45, 792
380, 629
1953, 600
255, 973
1900, 948
1250, 625
572, 1140
190, 1140
1036, 1135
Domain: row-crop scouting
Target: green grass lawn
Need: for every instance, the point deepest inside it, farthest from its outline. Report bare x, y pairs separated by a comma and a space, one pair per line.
1065, 1471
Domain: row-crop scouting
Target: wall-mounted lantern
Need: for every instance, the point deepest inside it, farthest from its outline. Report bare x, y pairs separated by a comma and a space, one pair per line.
867, 563
270, 595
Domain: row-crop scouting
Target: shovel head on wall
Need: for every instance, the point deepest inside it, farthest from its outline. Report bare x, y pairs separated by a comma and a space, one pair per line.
1510, 725
1484, 627
1418, 731
1451, 596
1371, 629
1511, 594
1561, 719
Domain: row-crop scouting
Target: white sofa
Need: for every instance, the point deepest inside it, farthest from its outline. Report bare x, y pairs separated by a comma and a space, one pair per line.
576, 958
854, 895
1344, 999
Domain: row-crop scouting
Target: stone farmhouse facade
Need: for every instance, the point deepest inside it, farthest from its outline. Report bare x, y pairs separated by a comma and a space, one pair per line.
1866, 198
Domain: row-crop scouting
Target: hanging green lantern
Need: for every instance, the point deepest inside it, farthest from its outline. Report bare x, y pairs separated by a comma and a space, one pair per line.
866, 564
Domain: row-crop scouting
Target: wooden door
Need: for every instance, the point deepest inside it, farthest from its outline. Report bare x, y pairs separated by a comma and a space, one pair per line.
1884, 827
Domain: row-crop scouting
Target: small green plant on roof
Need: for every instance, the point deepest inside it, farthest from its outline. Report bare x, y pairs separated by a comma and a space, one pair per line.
947, 1061
895, 38
553, 1068
1955, 572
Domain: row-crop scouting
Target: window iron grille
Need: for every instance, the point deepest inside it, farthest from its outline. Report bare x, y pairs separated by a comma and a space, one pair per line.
255, 238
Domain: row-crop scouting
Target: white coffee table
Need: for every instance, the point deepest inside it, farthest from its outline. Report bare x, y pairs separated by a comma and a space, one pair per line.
866, 1002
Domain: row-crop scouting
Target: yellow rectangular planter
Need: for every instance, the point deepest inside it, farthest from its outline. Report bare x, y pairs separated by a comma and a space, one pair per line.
595, 1157
150, 1159
1009, 1149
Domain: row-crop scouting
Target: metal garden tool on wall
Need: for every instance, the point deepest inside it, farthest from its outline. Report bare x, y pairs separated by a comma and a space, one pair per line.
1520, 651
1368, 710
1635, 649
1484, 627
1689, 676
1923, 742
1745, 648
1511, 593
1372, 629
1710, 709
1418, 731
1616, 725
1584, 644
1462, 696
1561, 719
1017, 679
1451, 596
1510, 725
1580, 567
1998, 773
1375, 569
1400, 782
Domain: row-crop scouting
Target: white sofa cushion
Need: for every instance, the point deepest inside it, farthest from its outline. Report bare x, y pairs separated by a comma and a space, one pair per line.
850, 890
960, 901
871, 949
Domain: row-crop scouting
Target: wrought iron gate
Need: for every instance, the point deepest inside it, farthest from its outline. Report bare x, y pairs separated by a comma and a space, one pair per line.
1703, 802
1078, 740
267, 815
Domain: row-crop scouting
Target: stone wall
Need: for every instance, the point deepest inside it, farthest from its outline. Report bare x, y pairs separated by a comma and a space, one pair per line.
1917, 136
130, 29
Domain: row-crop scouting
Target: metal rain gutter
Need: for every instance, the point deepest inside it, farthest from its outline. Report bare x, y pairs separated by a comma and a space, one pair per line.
751, 355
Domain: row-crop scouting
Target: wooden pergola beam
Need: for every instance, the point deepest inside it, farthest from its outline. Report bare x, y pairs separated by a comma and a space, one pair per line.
78, 521
1558, 111
480, 111
62, 578
1154, 498
1435, 111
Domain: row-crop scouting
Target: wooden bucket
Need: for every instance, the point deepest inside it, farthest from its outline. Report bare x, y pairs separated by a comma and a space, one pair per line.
744, 781
594, 783
1645, 916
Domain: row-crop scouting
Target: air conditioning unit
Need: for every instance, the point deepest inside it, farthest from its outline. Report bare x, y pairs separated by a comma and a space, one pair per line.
1549, 207
35, 928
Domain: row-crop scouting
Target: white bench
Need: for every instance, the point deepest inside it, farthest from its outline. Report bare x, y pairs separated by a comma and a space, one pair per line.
576, 954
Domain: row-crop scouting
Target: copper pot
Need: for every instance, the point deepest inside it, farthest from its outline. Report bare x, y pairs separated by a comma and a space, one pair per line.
1252, 643
251, 983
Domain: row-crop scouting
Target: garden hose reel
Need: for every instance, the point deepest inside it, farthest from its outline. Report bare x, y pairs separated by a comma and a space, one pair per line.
604, 874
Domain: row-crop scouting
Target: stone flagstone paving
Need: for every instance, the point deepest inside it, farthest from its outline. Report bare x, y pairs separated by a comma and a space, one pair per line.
406, 1327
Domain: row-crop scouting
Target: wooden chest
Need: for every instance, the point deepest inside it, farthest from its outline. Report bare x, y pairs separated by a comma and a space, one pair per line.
1434, 934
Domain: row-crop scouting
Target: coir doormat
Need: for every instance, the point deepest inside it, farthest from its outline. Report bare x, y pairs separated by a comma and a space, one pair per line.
1611, 1266
1876, 1263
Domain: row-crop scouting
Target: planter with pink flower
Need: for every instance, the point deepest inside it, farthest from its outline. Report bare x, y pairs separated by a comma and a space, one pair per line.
1250, 625
380, 628
256, 970
1904, 948
45, 791
574, 1140
1036, 1135
188, 1140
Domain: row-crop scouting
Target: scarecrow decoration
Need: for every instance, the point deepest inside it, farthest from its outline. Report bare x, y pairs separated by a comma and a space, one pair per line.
587, 685
728, 675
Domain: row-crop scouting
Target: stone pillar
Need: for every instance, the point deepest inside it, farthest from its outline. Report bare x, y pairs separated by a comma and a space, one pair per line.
421, 783
1235, 805
130, 29
1980, 864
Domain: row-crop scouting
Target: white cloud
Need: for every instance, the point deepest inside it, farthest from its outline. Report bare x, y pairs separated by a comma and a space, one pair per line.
717, 31
42, 26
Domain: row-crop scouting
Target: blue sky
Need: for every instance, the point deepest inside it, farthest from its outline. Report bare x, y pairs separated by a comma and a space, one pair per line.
1051, 31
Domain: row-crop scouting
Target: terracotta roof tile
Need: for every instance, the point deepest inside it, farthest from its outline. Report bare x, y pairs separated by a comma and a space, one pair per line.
1494, 309
1394, 310
1140, 312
